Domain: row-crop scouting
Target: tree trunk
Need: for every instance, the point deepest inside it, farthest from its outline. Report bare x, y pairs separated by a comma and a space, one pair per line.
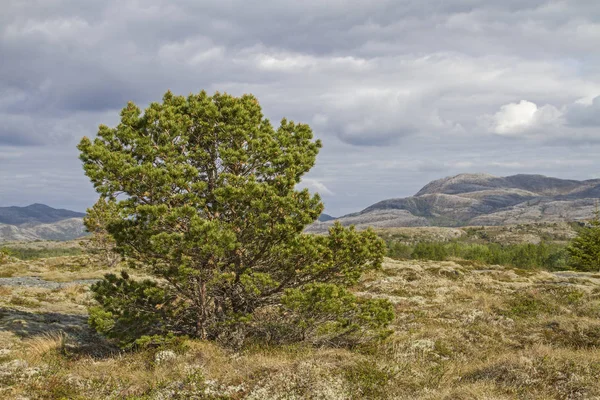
201, 321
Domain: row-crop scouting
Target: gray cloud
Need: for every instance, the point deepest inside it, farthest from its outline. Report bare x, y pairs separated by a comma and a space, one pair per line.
584, 115
400, 91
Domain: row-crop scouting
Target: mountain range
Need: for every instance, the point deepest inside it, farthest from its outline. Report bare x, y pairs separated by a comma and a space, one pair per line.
461, 200
39, 222
481, 199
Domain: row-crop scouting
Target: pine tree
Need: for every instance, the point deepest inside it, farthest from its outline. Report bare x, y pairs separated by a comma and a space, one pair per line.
584, 250
204, 190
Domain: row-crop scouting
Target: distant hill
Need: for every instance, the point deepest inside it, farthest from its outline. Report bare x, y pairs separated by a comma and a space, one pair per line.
40, 222
35, 214
461, 200
326, 217
482, 199
67, 229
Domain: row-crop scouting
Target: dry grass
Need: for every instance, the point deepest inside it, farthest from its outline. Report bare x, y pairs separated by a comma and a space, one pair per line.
462, 331
59, 269
35, 349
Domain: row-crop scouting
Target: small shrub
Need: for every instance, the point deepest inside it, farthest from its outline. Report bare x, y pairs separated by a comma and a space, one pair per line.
178, 344
132, 309
100, 246
325, 313
528, 305
23, 302
399, 250
579, 337
368, 380
572, 296
435, 251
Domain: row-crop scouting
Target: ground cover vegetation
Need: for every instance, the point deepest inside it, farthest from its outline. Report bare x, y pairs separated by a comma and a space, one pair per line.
462, 331
24, 253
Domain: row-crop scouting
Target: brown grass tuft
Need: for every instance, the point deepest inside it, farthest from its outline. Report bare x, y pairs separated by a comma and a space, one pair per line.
48, 344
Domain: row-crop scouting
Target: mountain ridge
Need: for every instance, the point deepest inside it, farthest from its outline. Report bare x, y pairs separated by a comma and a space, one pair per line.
35, 214
40, 222
481, 199
326, 217
453, 201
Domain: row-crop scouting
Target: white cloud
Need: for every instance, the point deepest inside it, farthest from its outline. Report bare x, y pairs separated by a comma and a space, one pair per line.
315, 185
522, 118
285, 62
276, 60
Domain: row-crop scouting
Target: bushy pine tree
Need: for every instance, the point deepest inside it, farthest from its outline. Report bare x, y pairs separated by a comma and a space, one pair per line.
584, 250
204, 191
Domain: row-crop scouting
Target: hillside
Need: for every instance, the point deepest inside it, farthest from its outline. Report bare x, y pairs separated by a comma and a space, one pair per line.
481, 199
39, 222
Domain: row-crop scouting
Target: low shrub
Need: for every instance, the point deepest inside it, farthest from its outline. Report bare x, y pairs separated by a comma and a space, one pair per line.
523, 255
529, 305
369, 381
23, 253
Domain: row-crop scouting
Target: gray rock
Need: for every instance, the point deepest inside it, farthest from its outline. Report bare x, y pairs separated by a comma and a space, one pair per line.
165, 356
34, 281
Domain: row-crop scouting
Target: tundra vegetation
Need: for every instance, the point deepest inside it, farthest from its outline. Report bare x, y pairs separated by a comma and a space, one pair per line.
463, 330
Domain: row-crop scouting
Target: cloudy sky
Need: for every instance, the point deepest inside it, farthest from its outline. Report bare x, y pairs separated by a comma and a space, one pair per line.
400, 91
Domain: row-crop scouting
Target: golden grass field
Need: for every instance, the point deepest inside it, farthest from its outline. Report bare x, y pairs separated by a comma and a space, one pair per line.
463, 331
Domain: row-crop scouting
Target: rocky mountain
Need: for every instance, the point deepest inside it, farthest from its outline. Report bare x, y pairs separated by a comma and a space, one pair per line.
482, 199
39, 222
